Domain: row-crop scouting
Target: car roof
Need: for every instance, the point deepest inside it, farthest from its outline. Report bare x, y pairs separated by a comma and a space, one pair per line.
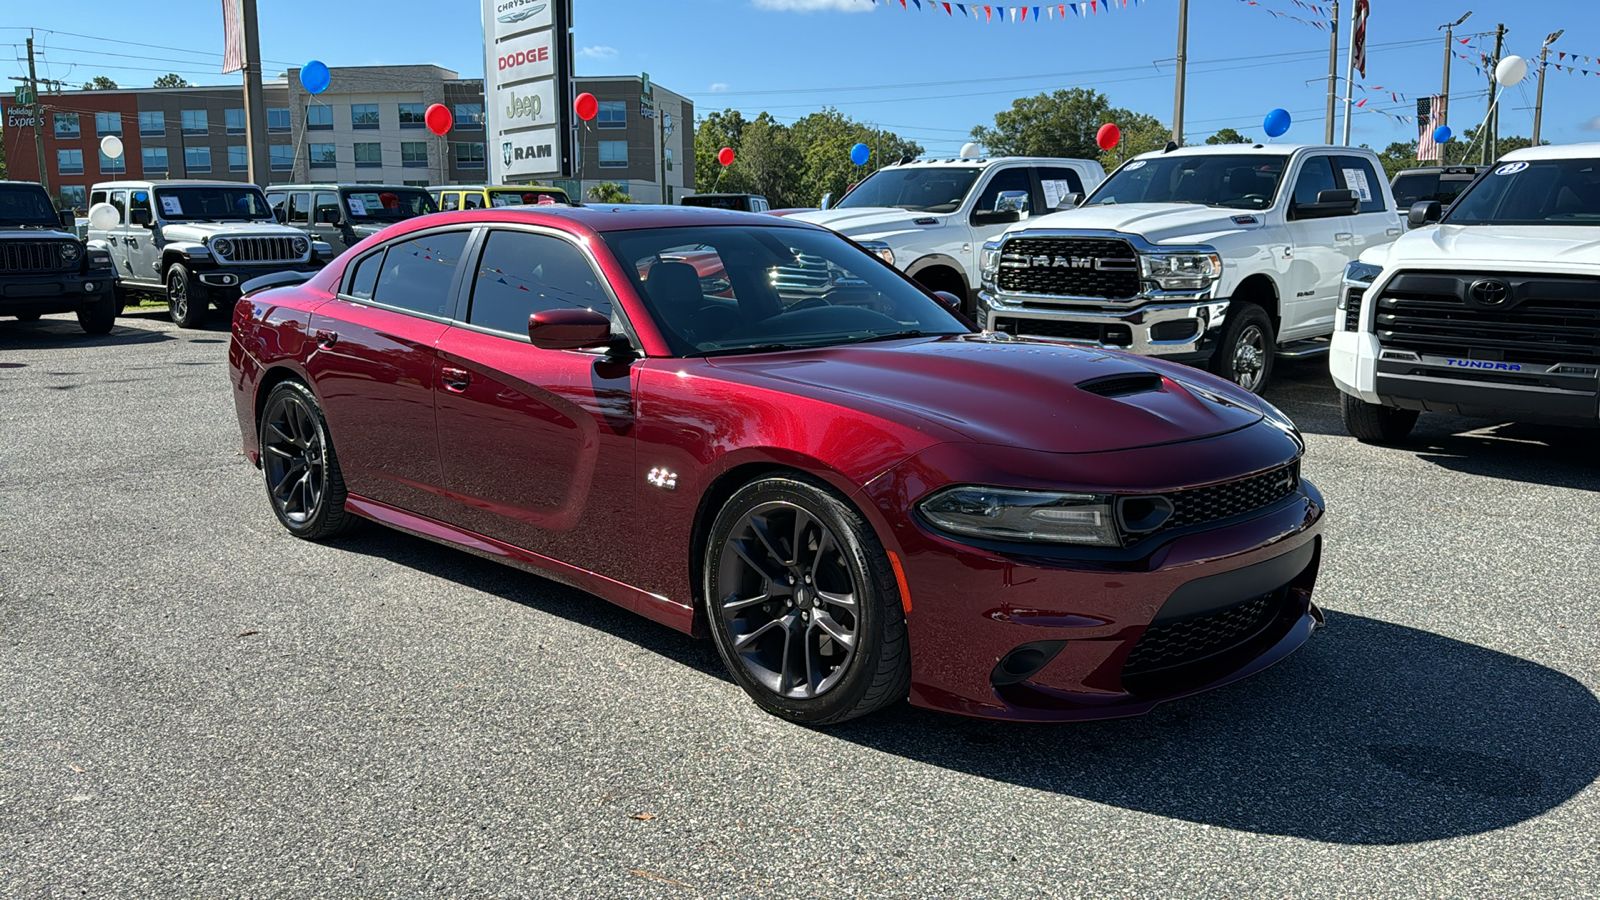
1246, 149
171, 182
762, 196
986, 161
1441, 170
608, 217
494, 187
338, 185
1587, 150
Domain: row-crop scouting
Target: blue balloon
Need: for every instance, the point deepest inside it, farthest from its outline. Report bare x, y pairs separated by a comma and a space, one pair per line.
1442, 134
1276, 124
315, 77
860, 153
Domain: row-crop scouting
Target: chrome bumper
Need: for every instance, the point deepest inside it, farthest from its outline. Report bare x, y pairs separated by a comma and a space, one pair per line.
1205, 314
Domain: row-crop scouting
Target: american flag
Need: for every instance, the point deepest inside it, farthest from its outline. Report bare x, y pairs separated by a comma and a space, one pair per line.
232, 36
1358, 40
1429, 117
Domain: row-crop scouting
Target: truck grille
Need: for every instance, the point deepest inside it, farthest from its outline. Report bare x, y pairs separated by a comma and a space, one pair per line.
1543, 320
1232, 498
809, 275
1116, 335
1104, 268
34, 256
1175, 643
262, 250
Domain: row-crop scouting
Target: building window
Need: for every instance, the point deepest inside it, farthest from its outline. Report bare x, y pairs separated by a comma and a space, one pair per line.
67, 125
282, 157
278, 120
109, 166
69, 162
613, 154
238, 158
197, 159
152, 124
107, 123
195, 121
469, 117
669, 159
369, 155
72, 196
322, 156
412, 115
319, 118
155, 160
415, 182
363, 115
234, 120
613, 114
470, 156
414, 154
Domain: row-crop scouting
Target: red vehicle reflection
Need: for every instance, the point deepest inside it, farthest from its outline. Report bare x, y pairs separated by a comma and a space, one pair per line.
747, 428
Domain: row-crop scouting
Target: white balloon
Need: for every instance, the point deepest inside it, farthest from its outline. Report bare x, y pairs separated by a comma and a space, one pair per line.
111, 146
104, 217
970, 150
1511, 71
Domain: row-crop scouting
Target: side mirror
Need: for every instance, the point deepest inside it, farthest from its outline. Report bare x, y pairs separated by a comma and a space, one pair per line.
327, 215
827, 200
139, 217
1424, 212
68, 219
1329, 204
995, 217
951, 301
1070, 201
569, 329
279, 214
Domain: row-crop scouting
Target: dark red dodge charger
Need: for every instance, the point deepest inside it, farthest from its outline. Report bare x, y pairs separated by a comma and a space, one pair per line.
745, 426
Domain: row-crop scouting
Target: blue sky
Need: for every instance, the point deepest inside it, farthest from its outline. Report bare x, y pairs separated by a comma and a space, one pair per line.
924, 75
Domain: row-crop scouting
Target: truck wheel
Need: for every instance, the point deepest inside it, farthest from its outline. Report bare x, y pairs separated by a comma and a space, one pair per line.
1244, 355
98, 318
186, 297
1371, 423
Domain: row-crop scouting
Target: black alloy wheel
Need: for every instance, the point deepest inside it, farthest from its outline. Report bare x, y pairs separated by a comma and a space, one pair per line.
803, 603
304, 483
100, 316
186, 297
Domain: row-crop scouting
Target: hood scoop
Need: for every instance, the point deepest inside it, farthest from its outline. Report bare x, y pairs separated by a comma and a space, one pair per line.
1122, 385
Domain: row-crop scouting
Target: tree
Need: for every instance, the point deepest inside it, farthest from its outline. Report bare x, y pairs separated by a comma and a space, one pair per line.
171, 79
609, 192
1141, 133
712, 133
824, 140
790, 165
101, 83
1062, 124
1465, 150
1228, 136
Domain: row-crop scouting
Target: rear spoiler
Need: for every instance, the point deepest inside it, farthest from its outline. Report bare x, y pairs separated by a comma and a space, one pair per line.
275, 280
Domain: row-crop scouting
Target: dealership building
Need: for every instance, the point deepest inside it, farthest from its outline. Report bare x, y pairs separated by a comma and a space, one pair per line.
366, 127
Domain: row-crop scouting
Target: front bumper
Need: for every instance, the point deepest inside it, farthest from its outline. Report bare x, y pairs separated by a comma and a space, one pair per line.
44, 293
1246, 582
223, 279
1183, 331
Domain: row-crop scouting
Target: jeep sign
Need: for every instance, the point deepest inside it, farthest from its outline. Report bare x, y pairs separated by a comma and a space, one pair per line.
527, 90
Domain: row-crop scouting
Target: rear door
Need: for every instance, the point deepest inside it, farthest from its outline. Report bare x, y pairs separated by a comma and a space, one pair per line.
1376, 223
335, 235
139, 241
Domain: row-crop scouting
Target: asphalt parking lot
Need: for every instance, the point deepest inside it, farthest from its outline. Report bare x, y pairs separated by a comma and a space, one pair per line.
193, 703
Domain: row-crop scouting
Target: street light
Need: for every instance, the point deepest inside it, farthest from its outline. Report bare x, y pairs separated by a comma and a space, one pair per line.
1441, 115
1538, 103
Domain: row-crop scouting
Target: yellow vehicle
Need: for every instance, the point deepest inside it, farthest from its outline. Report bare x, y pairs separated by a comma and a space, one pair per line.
479, 196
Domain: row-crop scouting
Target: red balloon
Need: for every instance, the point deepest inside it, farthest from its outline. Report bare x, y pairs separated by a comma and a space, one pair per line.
586, 106
1108, 136
438, 118
725, 156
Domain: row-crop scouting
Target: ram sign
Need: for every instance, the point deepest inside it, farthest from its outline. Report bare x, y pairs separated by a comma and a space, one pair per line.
527, 88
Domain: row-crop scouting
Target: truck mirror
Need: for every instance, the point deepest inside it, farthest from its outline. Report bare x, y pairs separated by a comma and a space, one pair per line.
139, 217
327, 215
827, 200
1011, 200
1423, 213
68, 219
1070, 201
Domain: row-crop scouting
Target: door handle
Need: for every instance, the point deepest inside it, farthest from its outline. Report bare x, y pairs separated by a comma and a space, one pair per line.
1342, 236
327, 338
455, 380
1393, 232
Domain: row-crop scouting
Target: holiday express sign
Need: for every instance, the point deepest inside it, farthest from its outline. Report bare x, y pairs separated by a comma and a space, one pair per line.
524, 87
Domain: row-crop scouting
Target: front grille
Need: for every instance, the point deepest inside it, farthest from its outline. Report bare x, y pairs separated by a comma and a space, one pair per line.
1182, 641
1106, 268
1547, 319
809, 275
1232, 498
34, 256
262, 250
1352, 314
1110, 335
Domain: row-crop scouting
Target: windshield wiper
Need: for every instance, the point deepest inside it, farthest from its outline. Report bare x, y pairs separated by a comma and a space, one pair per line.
760, 348
892, 336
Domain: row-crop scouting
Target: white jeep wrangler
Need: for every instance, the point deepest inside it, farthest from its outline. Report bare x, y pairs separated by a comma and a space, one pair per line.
1494, 311
1223, 256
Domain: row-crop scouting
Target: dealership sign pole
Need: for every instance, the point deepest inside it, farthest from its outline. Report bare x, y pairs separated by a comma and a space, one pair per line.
526, 87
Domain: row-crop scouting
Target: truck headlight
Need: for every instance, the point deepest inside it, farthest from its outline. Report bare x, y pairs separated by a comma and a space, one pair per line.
880, 250
70, 252
1181, 271
1009, 514
989, 264
301, 246
1360, 276
221, 247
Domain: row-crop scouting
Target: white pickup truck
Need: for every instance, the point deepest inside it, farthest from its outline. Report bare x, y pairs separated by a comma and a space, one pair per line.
1493, 311
1224, 256
928, 217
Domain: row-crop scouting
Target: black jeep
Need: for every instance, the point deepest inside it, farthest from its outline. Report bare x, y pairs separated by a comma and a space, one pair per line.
44, 268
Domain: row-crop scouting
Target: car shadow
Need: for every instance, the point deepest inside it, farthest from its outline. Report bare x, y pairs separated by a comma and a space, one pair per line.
1373, 733
52, 332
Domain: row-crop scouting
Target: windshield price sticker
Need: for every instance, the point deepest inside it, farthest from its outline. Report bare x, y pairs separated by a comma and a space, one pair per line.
171, 205
357, 207
1054, 190
1356, 180
1511, 168
499, 200
1136, 164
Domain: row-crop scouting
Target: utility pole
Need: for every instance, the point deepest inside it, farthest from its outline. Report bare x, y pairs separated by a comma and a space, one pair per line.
1538, 103
1441, 116
38, 117
1333, 71
1350, 70
255, 104
1183, 67
1491, 150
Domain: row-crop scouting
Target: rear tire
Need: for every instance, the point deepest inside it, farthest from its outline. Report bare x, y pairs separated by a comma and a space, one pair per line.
186, 297
304, 484
99, 318
1371, 423
121, 293
1245, 353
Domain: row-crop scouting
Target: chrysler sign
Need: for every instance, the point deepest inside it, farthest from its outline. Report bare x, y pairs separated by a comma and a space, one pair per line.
526, 92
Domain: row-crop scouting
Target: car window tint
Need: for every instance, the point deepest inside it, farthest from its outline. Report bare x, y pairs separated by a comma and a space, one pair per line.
521, 274
417, 273
1007, 180
276, 202
1359, 177
326, 201
472, 201
450, 201
1316, 176
365, 276
139, 200
119, 199
300, 209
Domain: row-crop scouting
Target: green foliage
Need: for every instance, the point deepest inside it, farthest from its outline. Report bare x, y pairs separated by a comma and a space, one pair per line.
101, 83
1228, 136
790, 165
609, 192
1064, 123
1140, 134
170, 80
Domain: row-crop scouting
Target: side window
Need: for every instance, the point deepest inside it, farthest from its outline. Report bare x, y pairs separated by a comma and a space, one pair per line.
521, 274
1058, 183
275, 200
1014, 179
472, 200
365, 276
97, 197
119, 199
1359, 177
1315, 176
449, 201
299, 209
326, 201
417, 273
139, 200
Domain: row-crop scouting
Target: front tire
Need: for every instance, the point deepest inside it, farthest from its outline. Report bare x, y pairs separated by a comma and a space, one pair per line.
304, 484
99, 318
1371, 423
803, 605
1245, 353
186, 297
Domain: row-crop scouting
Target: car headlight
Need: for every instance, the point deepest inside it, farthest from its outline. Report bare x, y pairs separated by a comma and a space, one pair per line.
880, 250
1181, 271
301, 246
1358, 276
989, 264
221, 247
70, 252
1009, 514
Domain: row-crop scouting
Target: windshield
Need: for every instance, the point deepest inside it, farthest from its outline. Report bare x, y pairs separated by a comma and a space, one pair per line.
533, 195
387, 204
26, 204
934, 190
744, 288
1421, 187
185, 204
1533, 192
1241, 181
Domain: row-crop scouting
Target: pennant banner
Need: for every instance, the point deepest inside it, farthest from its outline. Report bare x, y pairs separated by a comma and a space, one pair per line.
987, 13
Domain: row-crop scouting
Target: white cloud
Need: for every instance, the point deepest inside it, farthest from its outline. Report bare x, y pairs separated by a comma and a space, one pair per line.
600, 52
1592, 125
719, 87
808, 6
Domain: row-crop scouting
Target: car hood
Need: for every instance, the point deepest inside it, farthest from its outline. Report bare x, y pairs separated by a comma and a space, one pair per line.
195, 231
870, 221
1455, 245
13, 233
1185, 223
1017, 393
